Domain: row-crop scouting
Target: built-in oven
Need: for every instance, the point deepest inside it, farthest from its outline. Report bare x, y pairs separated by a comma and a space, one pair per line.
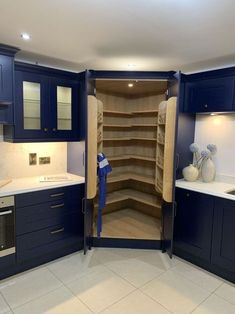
7, 225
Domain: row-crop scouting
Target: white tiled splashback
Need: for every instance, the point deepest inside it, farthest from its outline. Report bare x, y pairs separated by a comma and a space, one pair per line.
14, 159
219, 130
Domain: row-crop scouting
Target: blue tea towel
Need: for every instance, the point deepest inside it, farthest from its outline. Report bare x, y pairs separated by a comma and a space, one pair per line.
103, 169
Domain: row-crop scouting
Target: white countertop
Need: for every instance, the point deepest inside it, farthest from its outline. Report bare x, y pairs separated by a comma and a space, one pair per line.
216, 188
31, 184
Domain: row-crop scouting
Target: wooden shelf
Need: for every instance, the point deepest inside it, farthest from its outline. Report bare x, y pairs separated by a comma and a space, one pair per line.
144, 111
130, 176
129, 139
117, 113
117, 139
116, 126
145, 125
130, 194
126, 157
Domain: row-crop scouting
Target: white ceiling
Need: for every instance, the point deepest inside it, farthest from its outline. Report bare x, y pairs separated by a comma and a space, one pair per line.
190, 35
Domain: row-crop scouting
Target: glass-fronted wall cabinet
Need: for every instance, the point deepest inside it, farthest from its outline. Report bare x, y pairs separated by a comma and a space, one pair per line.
65, 106
46, 109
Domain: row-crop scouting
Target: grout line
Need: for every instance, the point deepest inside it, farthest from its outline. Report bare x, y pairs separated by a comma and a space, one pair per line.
64, 284
202, 302
155, 301
118, 300
6, 301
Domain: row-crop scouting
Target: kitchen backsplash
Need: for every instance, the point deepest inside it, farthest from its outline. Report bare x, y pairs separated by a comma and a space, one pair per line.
219, 130
14, 158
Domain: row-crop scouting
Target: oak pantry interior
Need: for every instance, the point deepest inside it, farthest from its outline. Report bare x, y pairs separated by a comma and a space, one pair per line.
135, 129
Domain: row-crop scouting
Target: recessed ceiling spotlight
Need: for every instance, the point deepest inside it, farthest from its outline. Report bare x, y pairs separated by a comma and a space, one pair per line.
130, 85
214, 114
25, 36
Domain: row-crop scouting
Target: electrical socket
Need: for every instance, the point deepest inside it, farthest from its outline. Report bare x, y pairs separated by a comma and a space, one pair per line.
32, 159
44, 160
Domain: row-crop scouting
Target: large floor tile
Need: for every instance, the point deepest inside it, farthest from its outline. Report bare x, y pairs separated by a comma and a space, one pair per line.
105, 255
59, 301
136, 303
215, 305
135, 270
100, 290
199, 276
29, 286
4, 308
227, 291
74, 266
176, 293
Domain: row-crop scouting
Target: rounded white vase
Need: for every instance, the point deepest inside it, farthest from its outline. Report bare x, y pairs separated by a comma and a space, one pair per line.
190, 173
208, 171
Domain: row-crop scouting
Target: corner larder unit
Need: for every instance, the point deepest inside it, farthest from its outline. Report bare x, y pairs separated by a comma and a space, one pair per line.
135, 130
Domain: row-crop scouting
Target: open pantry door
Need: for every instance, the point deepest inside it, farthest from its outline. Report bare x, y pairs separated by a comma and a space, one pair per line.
88, 116
170, 164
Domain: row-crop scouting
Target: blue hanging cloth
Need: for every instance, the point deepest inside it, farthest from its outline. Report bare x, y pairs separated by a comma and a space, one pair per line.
103, 169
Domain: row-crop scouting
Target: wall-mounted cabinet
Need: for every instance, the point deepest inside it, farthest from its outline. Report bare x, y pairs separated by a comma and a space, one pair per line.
209, 95
6, 83
46, 108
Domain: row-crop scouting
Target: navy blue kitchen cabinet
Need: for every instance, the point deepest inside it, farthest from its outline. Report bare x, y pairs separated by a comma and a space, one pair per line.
193, 223
6, 83
223, 244
209, 95
46, 106
48, 222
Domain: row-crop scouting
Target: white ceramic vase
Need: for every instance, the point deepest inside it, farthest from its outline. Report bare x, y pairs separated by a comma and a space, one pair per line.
208, 170
190, 173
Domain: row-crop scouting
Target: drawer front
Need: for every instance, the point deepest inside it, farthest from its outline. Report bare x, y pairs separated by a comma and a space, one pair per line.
38, 197
36, 217
38, 243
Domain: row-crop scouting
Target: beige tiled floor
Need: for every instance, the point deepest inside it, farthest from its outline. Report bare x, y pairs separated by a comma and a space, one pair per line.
117, 281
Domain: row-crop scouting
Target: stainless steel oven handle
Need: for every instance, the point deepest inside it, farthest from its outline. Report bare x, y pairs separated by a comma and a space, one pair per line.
7, 212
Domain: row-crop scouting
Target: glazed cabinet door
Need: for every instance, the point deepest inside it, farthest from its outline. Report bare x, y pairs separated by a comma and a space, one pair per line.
193, 224
32, 109
223, 244
64, 109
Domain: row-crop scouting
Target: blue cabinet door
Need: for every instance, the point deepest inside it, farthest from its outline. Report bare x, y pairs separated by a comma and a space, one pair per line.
223, 244
6, 89
64, 113
193, 223
210, 95
32, 107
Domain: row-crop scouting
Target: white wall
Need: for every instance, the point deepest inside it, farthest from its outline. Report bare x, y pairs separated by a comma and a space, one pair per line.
219, 130
14, 159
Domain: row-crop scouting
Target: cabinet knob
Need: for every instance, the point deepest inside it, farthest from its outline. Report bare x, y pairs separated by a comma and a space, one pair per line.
206, 106
45, 129
187, 194
54, 129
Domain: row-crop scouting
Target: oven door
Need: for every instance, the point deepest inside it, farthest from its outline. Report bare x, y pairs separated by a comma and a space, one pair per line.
7, 227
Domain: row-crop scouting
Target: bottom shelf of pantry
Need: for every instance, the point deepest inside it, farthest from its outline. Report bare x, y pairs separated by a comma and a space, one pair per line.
129, 223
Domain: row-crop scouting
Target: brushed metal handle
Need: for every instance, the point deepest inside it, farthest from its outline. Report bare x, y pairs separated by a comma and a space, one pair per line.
57, 194
57, 231
57, 206
7, 212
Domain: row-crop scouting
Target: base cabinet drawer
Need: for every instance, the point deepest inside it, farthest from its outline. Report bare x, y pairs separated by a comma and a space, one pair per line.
39, 243
64, 193
36, 217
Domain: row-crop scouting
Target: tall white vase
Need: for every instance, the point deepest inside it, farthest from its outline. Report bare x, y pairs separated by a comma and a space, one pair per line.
208, 170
